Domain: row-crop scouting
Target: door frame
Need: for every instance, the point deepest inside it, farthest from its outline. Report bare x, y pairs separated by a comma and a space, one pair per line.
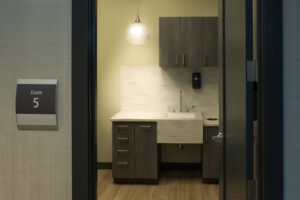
84, 98
270, 98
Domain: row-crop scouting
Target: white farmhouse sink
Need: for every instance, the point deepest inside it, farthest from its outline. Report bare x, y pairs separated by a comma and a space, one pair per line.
180, 115
180, 128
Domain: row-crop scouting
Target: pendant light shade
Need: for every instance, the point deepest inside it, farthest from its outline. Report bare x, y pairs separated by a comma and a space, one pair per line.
137, 33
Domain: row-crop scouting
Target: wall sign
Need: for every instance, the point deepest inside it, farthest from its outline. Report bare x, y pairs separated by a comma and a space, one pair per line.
36, 104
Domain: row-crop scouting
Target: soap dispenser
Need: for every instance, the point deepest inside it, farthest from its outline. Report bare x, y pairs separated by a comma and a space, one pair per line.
196, 80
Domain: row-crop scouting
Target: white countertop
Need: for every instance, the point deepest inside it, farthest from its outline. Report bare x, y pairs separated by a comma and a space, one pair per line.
207, 122
148, 116
159, 116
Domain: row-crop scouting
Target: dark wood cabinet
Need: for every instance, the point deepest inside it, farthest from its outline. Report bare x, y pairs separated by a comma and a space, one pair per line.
210, 155
123, 150
191, 41
188, 41
146, 151
135, 152
210, 41
169, 42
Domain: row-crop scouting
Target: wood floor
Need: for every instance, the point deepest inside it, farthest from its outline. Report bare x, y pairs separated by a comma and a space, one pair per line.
173, 185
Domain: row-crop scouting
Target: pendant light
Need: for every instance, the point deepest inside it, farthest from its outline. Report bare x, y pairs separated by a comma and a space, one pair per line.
137, 33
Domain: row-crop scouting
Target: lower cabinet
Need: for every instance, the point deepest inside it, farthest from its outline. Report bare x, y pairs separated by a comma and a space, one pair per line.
210, 156
135, 152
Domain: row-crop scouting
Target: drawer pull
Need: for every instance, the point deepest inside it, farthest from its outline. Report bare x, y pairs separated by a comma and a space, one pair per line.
122, 151
122, 163
122, 126
145, 126
122, 139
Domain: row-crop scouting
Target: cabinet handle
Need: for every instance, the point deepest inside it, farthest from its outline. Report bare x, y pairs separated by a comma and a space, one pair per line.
183, 59
121, 138
205, 59
122, 163
145, 126
122, 151
177, 59
122, 126
206, 135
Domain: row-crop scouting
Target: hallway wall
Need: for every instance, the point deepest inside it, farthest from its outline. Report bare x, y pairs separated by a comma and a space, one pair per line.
35, 42
291, 56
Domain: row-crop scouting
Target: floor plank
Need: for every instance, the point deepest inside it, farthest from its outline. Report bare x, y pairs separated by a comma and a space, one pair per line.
173, 185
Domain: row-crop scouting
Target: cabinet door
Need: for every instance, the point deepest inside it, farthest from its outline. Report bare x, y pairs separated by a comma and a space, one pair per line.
123, 150
169, 49
146, 162
191, 41
210, 41
211, 154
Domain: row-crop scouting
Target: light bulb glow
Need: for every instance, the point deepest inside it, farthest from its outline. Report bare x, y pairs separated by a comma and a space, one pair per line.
137, 34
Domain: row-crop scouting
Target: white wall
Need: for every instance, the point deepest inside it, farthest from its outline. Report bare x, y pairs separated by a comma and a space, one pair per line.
291, 47
35, 42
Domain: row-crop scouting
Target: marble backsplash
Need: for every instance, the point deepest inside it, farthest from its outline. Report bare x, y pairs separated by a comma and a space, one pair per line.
157, 89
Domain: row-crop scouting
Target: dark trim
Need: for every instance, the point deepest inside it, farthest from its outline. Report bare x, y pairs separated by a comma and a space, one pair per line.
104, 165
84, 169
181, 166
210, 180
136, 181
163, 166
271, 98
249, 92
223, 70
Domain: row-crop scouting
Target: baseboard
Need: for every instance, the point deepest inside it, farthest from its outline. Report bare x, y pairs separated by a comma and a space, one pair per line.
136, 181
181, 166
210, 180
104, 165
163, 166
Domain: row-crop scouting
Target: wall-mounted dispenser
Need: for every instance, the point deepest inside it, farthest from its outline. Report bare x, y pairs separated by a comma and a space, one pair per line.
196, 80
36, 104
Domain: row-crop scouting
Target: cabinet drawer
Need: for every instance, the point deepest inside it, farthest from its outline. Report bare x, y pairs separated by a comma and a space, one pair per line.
123, 163
123, 134
123, 169
122, 154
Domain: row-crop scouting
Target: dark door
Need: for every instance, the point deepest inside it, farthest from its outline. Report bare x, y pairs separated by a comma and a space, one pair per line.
238, 120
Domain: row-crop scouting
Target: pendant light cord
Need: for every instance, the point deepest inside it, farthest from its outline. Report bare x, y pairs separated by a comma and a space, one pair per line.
138, 8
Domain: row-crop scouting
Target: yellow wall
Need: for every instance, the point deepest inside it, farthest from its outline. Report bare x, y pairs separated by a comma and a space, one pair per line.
114, 16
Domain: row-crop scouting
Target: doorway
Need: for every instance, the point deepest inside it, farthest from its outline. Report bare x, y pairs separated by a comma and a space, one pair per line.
89, 107
140, 79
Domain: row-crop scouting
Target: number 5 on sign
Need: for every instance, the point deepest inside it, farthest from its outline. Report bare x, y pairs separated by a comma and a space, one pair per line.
36, 102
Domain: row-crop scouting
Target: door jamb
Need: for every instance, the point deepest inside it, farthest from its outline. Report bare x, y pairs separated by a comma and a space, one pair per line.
270, 114
84, 98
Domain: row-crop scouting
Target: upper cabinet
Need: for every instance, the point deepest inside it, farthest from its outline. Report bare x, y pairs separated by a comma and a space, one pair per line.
210, 41
188, 41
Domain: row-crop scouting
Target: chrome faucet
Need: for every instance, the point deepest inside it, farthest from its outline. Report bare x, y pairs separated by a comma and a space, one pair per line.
180, 101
